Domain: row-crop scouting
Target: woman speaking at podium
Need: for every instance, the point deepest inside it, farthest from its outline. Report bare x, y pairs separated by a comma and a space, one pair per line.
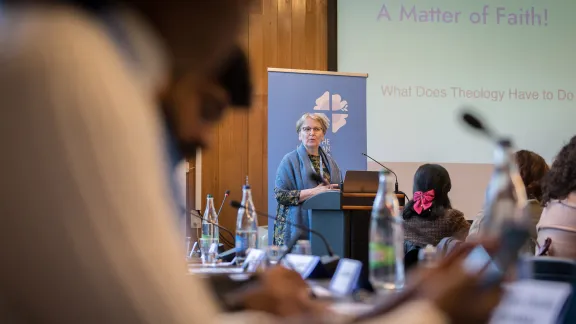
294, 183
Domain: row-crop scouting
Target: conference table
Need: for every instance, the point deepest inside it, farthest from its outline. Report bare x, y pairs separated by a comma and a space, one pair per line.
224, 279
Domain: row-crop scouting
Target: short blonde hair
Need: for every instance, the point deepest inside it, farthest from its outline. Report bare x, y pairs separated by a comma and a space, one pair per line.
319, 117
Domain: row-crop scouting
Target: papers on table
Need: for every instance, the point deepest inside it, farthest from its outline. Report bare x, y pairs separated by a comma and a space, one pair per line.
215, 270
351, 308
532, 301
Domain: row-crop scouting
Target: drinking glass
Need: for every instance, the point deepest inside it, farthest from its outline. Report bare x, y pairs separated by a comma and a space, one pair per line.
208, 250
302, 247
274, 252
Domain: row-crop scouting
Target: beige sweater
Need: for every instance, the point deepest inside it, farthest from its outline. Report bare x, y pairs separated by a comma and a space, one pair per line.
558, 222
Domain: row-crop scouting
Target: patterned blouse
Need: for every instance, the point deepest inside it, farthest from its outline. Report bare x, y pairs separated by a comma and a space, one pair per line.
287, 198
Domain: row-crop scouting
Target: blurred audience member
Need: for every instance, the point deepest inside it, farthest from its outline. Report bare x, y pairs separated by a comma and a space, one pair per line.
532, 168
558, 220
429, 216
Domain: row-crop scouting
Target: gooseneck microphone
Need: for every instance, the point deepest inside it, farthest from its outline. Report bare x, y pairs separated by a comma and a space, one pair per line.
226, 194
387, 168
331, 253
396, 191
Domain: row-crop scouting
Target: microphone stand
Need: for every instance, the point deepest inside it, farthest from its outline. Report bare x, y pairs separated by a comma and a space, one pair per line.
220, 227
226, 194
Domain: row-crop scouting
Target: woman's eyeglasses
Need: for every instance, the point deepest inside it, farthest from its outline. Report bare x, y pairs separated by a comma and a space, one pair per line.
308, 129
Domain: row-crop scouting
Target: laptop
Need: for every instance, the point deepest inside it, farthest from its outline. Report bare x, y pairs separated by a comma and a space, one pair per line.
361, 181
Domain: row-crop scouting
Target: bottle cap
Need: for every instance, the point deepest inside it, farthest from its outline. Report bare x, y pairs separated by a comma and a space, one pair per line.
209, 196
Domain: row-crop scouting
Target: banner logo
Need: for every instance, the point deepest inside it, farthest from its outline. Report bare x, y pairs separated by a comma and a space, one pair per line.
337, 108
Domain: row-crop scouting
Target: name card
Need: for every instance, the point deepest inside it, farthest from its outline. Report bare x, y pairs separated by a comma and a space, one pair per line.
303, 264
253, 259
346, 277
532, 301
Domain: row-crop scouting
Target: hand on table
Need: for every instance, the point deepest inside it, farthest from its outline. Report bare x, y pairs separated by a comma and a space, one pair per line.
284, 293
326, 187
458, 294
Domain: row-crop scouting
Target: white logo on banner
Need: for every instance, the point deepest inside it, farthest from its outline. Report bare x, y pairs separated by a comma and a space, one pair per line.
339, 109
338, 113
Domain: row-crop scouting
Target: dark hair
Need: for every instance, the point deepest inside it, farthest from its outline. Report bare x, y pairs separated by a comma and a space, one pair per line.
561, 179
532, 168
431, 177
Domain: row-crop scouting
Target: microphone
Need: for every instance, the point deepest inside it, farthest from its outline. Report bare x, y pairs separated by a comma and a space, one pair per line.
476, 124
385, 167
226, 194
396, 191
331, 253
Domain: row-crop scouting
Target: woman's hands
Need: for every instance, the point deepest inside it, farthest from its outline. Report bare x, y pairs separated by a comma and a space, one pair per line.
284, 293
307, 193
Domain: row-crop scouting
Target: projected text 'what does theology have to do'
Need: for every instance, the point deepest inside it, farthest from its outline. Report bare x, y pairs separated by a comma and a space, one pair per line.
480, 93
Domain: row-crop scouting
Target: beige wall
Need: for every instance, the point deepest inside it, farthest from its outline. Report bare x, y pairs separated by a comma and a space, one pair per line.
469, 182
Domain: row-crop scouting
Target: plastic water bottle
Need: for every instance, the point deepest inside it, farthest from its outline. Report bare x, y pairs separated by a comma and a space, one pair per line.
386, 261
209, 221
246, 226
505, 196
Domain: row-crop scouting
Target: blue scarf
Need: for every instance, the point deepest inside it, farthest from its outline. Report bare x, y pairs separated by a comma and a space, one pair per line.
294, 174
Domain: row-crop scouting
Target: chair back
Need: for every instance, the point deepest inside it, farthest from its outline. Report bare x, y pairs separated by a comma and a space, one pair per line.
447, 245
553, 269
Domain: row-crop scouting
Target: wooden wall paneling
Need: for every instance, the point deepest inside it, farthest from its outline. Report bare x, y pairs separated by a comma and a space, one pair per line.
256, 164
321, 35
299, 33
310, 34
271, 39
256, 53
270, 58
257, 6
256, 134
284, 34
210, 173
233, 163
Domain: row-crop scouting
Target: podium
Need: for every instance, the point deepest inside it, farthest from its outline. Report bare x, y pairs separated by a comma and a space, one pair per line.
343, 217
